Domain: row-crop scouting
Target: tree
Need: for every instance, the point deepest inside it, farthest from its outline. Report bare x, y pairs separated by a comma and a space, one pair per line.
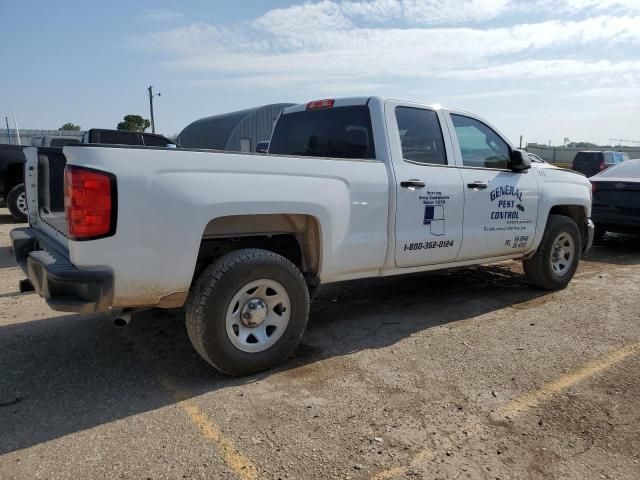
134, 123
70, 126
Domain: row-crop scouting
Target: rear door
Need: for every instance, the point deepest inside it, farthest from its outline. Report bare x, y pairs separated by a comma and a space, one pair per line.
500, 205
429, 196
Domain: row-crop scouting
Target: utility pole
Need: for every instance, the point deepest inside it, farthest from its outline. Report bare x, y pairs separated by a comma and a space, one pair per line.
151, 95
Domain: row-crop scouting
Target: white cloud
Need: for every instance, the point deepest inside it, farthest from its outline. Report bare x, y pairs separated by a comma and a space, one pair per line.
557, 68
335, 14
427, 12
308, 53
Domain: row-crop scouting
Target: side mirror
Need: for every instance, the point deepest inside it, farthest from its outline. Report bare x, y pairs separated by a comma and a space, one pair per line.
519, 161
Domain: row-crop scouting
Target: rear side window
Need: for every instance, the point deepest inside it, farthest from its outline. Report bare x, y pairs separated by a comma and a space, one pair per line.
341, 132
480, 146
585, 158
421, 135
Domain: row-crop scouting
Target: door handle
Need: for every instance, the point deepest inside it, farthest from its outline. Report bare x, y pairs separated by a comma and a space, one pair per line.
413, 183
477, 185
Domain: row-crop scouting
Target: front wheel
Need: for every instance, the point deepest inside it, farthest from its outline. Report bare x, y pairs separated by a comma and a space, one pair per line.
247, 311
555, 262
17, 203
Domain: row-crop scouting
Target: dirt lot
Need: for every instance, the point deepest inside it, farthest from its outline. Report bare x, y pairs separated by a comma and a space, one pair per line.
467, 374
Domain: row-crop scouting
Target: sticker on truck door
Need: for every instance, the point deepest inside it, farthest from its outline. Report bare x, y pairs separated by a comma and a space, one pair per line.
508, 208
434, 212
434, 217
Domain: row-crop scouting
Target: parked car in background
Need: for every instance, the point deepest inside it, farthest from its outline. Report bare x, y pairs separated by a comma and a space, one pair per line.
262, 147
125, 137
12, 181
12, 191
592, 162
53, 141
353, 188
616, 199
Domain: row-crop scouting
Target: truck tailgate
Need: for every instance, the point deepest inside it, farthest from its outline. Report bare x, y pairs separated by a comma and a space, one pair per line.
44, 171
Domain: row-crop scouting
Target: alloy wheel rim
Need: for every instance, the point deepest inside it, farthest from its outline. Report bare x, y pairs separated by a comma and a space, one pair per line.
21, 203
258, 315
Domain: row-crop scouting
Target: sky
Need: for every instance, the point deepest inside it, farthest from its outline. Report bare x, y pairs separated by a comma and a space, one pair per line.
544, 69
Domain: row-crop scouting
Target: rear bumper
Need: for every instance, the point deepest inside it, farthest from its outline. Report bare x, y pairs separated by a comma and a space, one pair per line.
614, 218
64, 287
588, 241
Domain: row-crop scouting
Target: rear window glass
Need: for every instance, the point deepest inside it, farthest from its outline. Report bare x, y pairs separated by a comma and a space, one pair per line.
156, 141
341, 132
61, 142
629, 169
588, 157
120, 138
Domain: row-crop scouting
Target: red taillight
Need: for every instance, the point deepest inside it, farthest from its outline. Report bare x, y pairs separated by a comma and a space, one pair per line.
317, 104
89, 203
593, 188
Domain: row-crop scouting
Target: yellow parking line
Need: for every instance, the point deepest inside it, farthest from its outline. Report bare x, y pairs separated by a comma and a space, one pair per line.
237, 462
232, 456
532, 399
529, 400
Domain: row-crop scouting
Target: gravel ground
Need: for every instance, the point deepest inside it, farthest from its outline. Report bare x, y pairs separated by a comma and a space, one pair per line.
463, 374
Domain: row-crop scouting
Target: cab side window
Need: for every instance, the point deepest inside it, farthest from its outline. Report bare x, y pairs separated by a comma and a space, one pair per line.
421, 136
480, 146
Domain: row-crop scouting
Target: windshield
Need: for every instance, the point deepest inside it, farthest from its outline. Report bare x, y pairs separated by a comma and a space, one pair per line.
341, 132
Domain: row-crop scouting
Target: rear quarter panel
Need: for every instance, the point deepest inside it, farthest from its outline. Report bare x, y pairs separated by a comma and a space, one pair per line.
167, 197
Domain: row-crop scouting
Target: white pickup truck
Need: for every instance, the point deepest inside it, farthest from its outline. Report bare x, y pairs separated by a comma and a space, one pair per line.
350, 188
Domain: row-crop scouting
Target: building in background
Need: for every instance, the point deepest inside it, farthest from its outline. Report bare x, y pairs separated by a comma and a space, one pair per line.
236, 131
27, 135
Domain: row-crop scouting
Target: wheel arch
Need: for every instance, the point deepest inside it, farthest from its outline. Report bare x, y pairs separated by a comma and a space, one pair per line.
297, 237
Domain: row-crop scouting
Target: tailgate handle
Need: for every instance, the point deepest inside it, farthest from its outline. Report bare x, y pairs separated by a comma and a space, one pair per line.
413, 183
477, 185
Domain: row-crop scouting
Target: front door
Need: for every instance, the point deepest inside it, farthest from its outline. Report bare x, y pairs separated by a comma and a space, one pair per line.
429, 196
501, 206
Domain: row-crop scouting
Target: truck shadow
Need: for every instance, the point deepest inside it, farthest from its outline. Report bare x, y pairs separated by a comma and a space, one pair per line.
617, 249
69, 373
7, 219
7, 260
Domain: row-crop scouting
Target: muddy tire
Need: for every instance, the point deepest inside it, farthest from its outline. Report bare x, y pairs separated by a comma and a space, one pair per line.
17, 203
555, 262
247, 311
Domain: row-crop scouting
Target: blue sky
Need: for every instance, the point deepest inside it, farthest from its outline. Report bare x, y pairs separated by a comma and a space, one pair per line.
544, 69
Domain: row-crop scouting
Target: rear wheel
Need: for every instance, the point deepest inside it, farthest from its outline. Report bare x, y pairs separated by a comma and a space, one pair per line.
555, 262
247, 311
17, 203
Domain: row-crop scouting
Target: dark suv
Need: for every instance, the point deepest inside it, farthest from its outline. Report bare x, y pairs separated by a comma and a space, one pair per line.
592, 162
